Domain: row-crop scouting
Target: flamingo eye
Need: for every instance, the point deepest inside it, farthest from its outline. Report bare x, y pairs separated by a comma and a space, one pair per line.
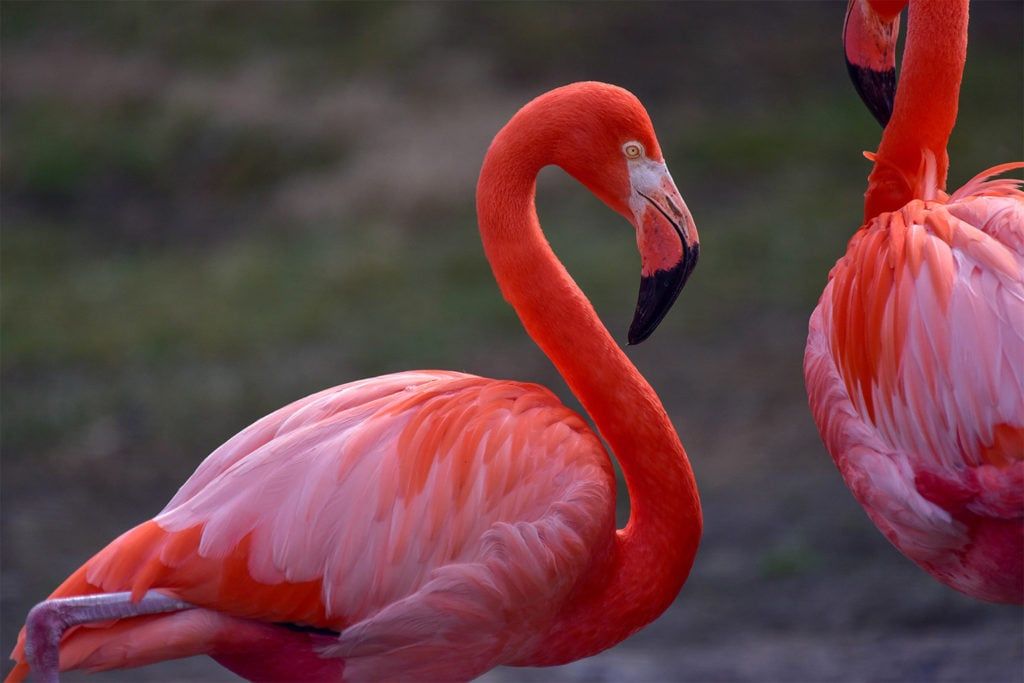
633, 150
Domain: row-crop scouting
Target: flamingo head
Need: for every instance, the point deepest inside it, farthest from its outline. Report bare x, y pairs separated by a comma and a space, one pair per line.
869, 39
609, 145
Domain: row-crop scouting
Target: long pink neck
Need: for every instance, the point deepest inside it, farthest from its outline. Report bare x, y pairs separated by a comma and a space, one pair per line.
644, 565
925, 108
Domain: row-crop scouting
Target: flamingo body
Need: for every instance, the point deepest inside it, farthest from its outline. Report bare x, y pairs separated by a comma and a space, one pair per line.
430, 525
485, 499
915, 379
915, 353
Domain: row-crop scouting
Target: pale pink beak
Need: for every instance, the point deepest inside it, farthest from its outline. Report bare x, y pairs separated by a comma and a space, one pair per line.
667, 238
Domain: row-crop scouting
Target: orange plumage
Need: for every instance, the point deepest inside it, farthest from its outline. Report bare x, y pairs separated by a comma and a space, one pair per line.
915, 356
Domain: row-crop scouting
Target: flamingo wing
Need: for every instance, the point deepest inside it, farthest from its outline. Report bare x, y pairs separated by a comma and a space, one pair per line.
407, 513
915, 378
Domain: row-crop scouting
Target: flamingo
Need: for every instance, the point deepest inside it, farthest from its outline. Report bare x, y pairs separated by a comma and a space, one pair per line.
915, 354
430, 524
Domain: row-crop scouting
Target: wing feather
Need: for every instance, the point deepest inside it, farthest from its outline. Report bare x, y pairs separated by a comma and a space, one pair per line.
366, 507
928, 345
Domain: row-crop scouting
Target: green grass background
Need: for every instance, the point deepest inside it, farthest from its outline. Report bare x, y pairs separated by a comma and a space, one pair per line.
210, 209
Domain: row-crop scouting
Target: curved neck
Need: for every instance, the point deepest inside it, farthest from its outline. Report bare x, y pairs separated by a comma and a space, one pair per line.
912, 160
643, 566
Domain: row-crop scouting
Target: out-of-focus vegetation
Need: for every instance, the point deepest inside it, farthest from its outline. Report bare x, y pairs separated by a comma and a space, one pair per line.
210, 209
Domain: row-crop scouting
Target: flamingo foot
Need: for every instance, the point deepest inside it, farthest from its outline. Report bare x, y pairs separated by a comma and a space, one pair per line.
48, 621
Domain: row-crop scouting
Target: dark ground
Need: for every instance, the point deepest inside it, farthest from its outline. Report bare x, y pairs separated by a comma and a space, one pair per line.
211, 209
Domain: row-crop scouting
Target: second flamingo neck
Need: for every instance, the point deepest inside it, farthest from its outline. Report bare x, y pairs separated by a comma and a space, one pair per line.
925, 109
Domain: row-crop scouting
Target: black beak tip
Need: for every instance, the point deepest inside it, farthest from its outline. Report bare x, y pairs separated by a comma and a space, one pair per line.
876, 88
657, 294
636, 336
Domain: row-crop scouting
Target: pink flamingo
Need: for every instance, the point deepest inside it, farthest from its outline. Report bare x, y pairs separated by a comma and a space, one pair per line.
915, 355
430, 524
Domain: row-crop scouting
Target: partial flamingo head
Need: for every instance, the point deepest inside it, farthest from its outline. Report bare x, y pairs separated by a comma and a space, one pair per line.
869, 39
665, 234
601, 135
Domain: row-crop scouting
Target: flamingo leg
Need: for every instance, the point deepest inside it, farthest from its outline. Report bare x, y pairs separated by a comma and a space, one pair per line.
48, 621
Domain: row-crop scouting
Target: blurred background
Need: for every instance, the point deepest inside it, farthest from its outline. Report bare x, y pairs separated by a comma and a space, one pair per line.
211, 209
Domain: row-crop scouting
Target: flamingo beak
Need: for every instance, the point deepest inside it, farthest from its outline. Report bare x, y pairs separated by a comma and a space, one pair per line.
667, 238
869, 40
